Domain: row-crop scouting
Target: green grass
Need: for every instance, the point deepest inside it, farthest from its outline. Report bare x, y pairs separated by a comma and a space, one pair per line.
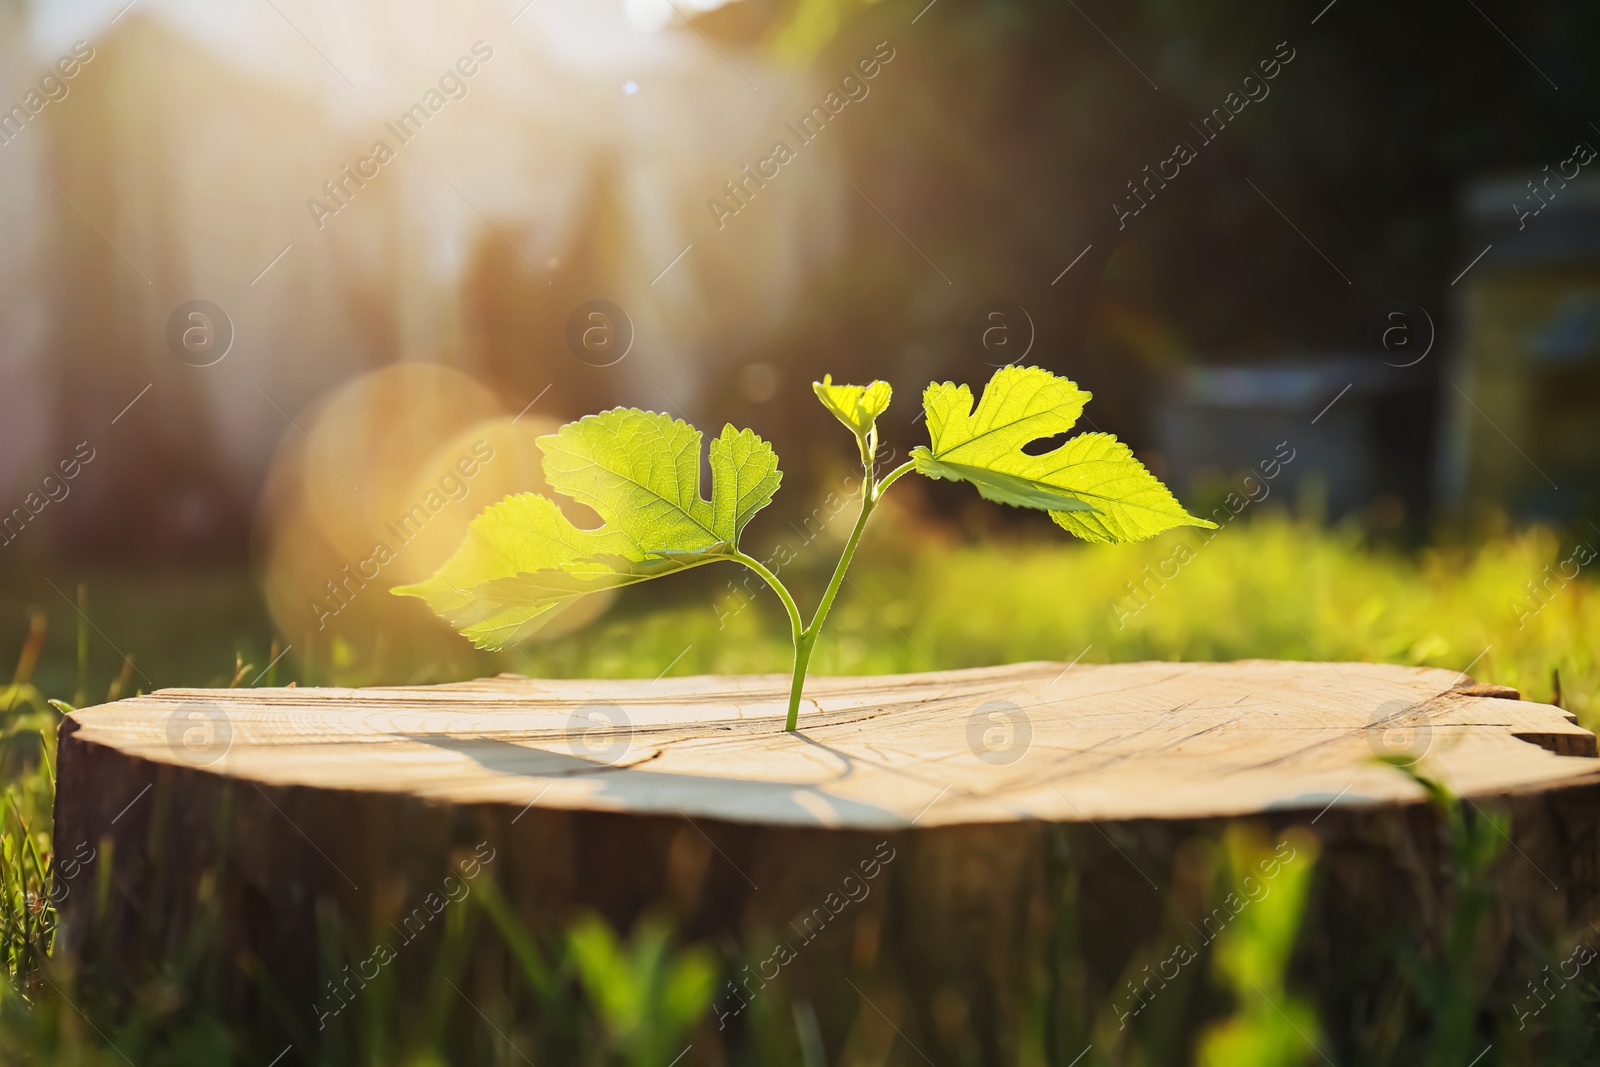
1272, 588
1275, 589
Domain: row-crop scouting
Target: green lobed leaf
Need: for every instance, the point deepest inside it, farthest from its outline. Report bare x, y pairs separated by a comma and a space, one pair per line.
522, 560
858, 407
1092, 485
997, 486
1130, 503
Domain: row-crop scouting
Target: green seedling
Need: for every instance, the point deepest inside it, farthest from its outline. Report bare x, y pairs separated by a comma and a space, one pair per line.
648, 995
1271, 1026
523, 561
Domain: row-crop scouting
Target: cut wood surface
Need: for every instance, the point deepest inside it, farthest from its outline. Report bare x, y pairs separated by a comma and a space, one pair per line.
1046, 741
955, 806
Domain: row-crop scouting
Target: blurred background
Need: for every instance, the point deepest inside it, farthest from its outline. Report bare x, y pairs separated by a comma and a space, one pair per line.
284, 281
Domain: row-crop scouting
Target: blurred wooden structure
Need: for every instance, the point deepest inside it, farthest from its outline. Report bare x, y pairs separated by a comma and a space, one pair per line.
1522, 395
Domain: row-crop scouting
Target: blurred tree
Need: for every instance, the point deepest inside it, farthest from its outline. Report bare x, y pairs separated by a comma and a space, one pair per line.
1006, 130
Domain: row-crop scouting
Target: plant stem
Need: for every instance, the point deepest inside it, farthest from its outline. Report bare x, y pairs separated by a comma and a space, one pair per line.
805, 637
802, 660
893, 476
870, 493
796, 626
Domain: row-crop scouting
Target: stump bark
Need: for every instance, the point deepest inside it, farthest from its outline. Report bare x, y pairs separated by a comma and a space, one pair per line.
954, 852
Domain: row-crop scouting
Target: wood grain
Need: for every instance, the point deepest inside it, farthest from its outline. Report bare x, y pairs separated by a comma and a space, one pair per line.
1027, 741
1038, 825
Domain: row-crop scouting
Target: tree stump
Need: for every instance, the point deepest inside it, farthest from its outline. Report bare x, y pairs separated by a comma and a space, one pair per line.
958, 848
